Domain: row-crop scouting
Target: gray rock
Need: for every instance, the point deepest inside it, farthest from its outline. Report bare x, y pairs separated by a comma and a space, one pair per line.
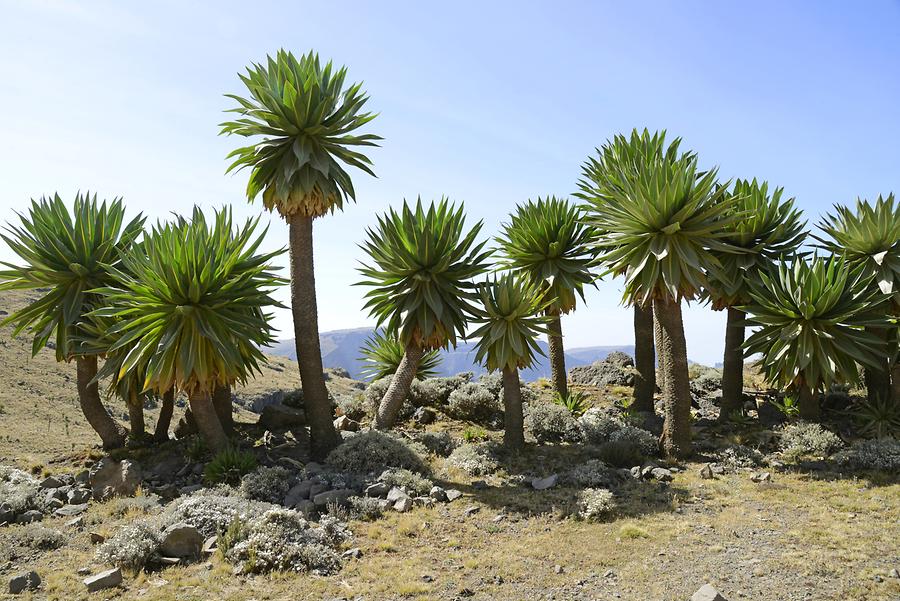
617, 369
317, 488
7, 515
68, 511
27, 517
544, 483
438, 494
312, 468
339, 496
306, 507
424, 415
894, 573
403, 505
379, 489
77, 496
181, 540
707, 593
29, 581
281, 417
83, 477
761, 477
345, 424
51, 482
453, 494
54, 503
210, 546
423, 501
110, 478
354, 553
107, 579
76, 522
661, 474
395, 494
472, 510
706, 472
298, 493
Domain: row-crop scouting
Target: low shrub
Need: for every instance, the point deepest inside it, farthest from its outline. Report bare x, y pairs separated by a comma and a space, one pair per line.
20, 490
475, 403
597, 426
881, 454
435, 392
404, 478
437, 443
593, 473
493, 381
548, 422
211, 514
739, 456
134, 547
282, 540
375, 392
808, 439
269, 484
365, 509
642, 439
39, 538
475, 459
620, 453
355, 406
375, 451
229, 466
596, 504
139, 505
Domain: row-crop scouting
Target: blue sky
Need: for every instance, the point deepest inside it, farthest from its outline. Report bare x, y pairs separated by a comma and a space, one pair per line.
488, 103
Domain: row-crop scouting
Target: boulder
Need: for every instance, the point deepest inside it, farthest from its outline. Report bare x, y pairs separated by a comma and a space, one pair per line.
345, 424
27, 517
297, 493
281, 417
68, 511
403, 504
707, 593
111, 478
453, 494
107, 579
28, 581
379, 489
7, 514
438, 494
339, 496
181, 540
77, 496
424, 415
544, 483
395, 494
52, 482
617, 369
210, 546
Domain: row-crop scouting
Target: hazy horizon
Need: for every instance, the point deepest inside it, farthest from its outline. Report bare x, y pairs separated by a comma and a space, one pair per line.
490, 104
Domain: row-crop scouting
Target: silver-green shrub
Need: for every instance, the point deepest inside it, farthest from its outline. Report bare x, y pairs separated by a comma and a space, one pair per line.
808, 439
269, 484
882, 454
474, 402
404, 478
134, 547
549, 422
475, 459
373, 451
596, 504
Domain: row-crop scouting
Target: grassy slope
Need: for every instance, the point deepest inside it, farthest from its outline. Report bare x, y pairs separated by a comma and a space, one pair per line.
39, 414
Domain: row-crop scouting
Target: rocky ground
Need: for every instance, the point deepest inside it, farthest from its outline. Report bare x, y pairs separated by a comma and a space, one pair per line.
437, 510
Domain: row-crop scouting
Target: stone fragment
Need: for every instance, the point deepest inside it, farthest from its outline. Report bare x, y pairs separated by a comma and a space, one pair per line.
706, 472
707, 593
71, 510
28, 581
761, 477
544, 483
51, 482
281, 417
107, 579
438, 494
453, 494
339, 496
181, 540
110, 478
354, 553
403, 505
379, 489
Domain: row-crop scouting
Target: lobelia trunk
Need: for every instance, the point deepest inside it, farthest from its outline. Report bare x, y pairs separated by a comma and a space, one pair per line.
207, 420
878, 381
895, 383
513, 420
323, 436
111, 433
161, 432
676, 437
644, 360
136, 419
557, 355
808, 403
221, 399
398, 389
733, 365
660, 372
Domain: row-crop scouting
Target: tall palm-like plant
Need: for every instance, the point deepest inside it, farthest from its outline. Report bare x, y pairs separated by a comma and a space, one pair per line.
306, 122
507, 341
70, 254
609, 163
661, 219
812, 317
870, 238
549, 245
190, 308
422, 263
383, 353
769, 230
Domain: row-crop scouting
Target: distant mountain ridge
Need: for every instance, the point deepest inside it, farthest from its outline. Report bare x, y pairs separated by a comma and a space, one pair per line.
341, 348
